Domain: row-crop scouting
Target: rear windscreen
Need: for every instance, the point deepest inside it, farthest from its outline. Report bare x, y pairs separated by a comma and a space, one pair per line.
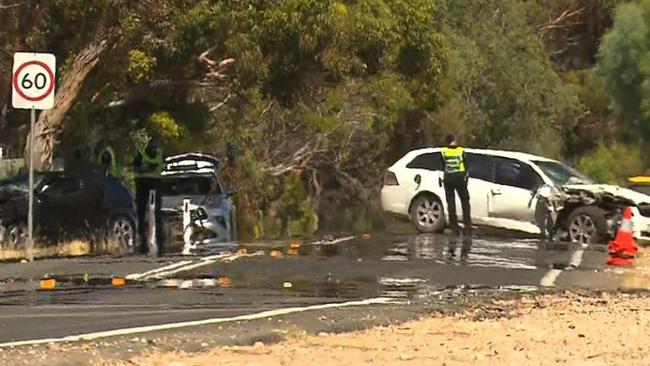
189, 186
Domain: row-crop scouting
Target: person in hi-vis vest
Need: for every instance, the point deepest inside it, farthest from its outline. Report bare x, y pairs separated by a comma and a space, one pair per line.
455, 181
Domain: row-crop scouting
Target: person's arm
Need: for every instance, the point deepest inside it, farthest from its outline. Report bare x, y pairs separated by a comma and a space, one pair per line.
466, 166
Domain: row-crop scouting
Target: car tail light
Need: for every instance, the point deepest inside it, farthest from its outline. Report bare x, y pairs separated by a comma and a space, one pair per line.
390, 179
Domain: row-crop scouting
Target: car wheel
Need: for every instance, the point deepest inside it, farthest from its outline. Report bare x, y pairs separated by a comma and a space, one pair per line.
16, 236
428, 214
122, 232
587, 225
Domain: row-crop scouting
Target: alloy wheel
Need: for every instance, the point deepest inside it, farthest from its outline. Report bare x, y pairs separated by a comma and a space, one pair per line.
429, 213
582, 229
124, 233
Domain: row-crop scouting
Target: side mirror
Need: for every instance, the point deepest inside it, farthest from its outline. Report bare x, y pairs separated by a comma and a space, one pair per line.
231, 192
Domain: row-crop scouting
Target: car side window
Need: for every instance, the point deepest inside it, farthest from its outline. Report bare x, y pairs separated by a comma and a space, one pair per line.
480, 166
64, 185
428, 161
514, 173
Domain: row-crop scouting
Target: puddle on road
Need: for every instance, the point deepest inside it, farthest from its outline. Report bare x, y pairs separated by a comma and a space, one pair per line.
396, 266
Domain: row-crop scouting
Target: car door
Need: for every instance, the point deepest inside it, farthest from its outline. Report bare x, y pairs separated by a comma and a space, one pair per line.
480, 184
64, 205
512, 193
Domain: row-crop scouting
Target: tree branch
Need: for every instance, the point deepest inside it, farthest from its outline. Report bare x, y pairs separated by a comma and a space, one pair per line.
559, 21
216, 69
4, 7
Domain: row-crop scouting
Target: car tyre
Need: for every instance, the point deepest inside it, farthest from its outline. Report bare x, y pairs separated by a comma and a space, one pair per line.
428, 214
121, 230
587, 225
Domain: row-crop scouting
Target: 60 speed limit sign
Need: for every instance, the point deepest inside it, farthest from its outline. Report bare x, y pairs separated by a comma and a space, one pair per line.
33, 80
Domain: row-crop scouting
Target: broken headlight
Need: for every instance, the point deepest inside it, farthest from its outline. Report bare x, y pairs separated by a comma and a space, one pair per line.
587, 199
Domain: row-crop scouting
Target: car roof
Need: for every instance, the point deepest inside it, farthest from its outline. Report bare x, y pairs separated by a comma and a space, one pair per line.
500, 153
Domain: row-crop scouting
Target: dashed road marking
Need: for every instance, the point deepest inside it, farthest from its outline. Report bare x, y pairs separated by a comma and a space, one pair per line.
184, 266
332, 242
137, 276
168, 326
576, 259
191, 266
549, 278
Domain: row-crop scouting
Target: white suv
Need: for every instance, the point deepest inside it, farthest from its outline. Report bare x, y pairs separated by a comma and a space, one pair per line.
503, 188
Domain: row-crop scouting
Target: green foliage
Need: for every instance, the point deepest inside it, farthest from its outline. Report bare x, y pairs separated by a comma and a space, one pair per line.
141, 65
324, 94
595, 123
612, 163
505, 90
625, 67
10, 167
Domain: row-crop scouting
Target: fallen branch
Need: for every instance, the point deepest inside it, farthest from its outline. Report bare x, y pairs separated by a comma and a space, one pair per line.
5, 7
559, 21
216, 69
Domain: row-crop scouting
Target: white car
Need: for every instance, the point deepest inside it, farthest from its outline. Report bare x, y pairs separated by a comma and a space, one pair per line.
504, 189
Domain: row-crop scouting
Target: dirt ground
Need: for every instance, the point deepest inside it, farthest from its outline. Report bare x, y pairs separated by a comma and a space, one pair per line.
539, 330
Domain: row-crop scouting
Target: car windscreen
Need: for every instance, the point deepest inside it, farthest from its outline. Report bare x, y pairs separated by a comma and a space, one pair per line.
561, 174
18, 185
193, 186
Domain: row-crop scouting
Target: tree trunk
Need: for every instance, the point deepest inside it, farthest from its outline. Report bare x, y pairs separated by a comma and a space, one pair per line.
49, 123
4, 96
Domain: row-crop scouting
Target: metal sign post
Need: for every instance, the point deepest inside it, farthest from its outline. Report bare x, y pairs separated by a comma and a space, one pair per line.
30, 215
33, 80
151, 221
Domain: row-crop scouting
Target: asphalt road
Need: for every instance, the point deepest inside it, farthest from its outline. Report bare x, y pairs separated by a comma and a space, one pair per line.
268, 276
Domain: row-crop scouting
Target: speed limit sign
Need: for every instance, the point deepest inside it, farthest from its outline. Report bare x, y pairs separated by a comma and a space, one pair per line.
33, 80
32, 84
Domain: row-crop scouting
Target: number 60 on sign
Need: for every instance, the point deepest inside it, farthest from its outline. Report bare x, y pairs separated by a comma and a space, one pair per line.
33, 80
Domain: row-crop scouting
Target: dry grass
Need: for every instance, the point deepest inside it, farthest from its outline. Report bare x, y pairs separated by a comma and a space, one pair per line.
545, 330
73, 248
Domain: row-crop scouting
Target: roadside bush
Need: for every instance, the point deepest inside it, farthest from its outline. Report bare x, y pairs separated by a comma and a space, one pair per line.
9, 168
612, 163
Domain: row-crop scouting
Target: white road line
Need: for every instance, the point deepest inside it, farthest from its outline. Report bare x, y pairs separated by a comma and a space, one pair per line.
162, 272
161, 275
237, 256
576, 259
135, 276
331, 242
203, 262
549, 278
168, 326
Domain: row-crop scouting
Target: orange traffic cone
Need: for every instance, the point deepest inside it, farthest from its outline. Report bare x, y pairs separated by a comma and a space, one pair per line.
623, 248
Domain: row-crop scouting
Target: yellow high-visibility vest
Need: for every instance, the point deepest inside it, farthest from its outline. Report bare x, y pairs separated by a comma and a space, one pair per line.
453, 157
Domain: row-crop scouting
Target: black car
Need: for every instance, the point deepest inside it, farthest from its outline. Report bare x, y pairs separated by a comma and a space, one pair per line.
80, 205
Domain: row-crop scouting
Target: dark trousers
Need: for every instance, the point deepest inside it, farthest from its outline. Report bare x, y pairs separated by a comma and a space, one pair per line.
456, 183
142, 187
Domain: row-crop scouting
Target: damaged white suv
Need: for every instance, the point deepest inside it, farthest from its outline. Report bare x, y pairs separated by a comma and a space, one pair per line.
514, 191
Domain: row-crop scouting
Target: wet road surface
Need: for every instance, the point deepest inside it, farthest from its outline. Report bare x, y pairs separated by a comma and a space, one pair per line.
259, 277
